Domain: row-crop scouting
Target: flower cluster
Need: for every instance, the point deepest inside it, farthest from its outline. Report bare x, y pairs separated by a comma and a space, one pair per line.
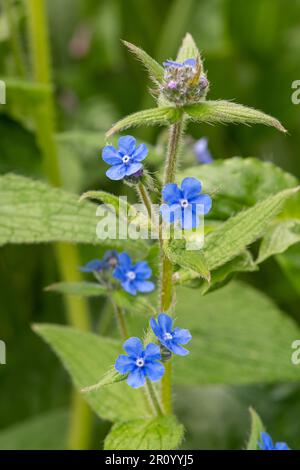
185, 204
126, 160
132, 277
267, 443
184, 83
142, 363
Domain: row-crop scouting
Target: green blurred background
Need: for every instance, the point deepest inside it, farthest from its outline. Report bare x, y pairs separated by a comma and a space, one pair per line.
251, 51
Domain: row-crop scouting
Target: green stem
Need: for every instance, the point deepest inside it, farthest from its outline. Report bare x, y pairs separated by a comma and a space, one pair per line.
145, 198
166, 284
66, 255
14, 38
153, 398
120, 317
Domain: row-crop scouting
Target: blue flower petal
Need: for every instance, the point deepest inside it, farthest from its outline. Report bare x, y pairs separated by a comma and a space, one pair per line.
266, 441
142, 270
133, 168
171, 193
190, 187
181, 336
154, 370
111, 156
140, 153
155, 327
165, 322
134, 347
201, 151
129, 286
170, 213
169, 63
125, 261
144, 286
152, 352
177, 349
191, 62
136, 379
119, 274
125, 364
281, 446
204, 204
91, 266
127, 144
116, 172
190, 219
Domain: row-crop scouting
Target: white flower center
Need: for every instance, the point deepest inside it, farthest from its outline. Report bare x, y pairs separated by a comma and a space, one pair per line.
131, 275
125, 159
167, 336
184, 203
140, 362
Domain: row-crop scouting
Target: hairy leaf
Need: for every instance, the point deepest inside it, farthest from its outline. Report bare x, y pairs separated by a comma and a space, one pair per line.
162, 433
278, 238
155, 70
227, 112
257, 428
111, 377
33, 212
237, 233
195, 260
188, 49
120, 205
87, 357
238, 336
162, 116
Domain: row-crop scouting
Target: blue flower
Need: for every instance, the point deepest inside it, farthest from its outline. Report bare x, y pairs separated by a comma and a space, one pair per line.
267, 443
201, 151
109, 260
133, 278
140, 363
187, 62
185, 204
126, 160
169, 337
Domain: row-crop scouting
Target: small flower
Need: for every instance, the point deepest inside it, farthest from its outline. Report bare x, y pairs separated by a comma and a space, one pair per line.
109, 260
133, 278
140, 363
185, 204
170, 338
202, 152
126, 160
184, 82
267, 443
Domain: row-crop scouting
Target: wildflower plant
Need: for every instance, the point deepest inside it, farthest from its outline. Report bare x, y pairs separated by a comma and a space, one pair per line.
139, 278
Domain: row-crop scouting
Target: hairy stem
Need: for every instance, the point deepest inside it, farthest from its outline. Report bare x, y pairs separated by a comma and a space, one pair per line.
121, 321
145, 198
166, 285
66, 255
153, 398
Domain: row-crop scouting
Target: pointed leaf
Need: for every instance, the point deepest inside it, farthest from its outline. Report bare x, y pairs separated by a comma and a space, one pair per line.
155, 70
162, 433
278, 238
88, 357
227, 112
257, 428
243, 229
81, 289
111, 377
188, 49
119, 204
150, 117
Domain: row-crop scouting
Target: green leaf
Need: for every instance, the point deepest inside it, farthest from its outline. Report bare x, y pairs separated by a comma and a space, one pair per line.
81, 289
162, 116
155, 70
162, 433
111, 377
134, 305
195, 260
237, 233
87, 357
121, 206
188, 49
219, 277
228, 112
47, 431
239, 336
290, 265
257, 428
278, 238
33, 212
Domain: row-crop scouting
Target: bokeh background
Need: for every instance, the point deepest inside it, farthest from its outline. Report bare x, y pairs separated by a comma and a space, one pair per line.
251, 51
